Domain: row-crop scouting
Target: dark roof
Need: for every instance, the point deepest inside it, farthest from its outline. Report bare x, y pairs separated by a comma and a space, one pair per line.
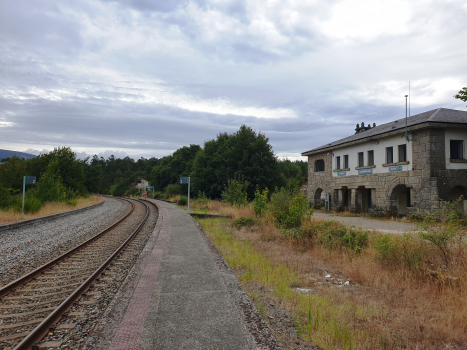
440, 115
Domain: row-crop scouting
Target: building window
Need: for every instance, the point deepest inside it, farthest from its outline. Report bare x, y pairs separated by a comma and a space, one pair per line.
457, 149
402, 153
346, 161
371, 158
360, 159
319, 165
389, 155
338, 162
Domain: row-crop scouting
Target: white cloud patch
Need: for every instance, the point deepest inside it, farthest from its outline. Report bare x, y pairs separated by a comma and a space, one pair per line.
148, 77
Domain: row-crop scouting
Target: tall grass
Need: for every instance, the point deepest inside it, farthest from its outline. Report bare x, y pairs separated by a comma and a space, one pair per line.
48, 209
411, 295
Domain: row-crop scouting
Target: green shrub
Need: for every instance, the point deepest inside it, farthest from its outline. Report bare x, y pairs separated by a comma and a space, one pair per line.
50, 187
385, 248
183, 200
4, 193
32, 205
261, 200
72, 202
236, 192
243, 221
172, 190
289, 208
393, 251
339, 236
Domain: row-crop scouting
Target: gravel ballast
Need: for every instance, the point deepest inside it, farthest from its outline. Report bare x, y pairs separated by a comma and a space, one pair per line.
25, 248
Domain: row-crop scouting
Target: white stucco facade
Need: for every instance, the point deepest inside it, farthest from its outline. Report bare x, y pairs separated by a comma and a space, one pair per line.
452, 134
379, 150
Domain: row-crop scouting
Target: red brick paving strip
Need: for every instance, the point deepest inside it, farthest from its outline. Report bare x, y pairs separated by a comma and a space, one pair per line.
130, 329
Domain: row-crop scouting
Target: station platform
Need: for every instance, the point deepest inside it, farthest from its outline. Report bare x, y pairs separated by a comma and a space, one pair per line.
180, 294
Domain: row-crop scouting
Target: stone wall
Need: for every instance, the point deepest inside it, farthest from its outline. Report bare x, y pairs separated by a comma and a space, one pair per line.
428, 180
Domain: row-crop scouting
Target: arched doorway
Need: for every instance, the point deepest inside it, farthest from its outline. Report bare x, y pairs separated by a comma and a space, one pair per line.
318, 194
458, 194
401, 197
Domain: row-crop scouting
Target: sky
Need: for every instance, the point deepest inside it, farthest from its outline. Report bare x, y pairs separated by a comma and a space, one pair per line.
142, 78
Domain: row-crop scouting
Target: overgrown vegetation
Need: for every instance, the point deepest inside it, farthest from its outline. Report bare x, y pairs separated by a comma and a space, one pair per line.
417, 280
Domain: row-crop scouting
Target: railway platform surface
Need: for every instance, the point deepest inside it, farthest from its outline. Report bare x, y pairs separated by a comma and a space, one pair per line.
180, 295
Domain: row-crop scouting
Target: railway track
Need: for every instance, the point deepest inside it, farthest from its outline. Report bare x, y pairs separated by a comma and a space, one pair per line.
33, 304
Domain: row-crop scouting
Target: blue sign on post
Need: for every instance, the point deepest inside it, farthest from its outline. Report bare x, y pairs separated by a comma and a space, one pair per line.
30, 180
186, 180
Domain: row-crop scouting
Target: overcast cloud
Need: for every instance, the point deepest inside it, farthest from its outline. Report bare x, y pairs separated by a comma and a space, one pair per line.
145, 77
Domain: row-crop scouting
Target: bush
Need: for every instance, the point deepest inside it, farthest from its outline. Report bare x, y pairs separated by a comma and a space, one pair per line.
261, 200
50, 188
340, 236
394, 251
289, 208
243, 221
172, 190
183, 200
236, 192
202, 199
32, 205
73, 202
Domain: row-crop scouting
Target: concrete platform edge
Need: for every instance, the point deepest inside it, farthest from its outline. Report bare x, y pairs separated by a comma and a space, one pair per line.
257, 328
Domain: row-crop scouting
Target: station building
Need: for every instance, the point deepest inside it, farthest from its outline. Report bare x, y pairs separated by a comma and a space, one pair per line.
379, 169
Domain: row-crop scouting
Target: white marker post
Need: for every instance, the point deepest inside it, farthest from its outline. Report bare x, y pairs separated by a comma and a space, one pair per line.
186, 180
30, 180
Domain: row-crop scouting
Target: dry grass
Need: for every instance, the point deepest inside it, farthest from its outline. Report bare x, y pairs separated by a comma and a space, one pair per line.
218, 207
397, 308
48, 209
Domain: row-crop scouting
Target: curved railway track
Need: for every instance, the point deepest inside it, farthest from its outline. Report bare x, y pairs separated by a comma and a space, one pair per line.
33, 304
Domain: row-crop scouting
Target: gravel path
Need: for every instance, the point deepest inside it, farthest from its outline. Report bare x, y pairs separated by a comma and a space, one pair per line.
394, 227
26, 248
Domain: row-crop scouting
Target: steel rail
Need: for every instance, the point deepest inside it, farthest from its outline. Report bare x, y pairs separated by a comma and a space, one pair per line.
43, 328
16, 283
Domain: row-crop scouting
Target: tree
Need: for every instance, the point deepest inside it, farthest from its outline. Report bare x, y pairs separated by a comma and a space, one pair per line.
172, 167
71, 169
462, 94
12, 172
244, 154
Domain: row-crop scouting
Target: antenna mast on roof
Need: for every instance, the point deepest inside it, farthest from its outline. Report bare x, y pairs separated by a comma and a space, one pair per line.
406, 137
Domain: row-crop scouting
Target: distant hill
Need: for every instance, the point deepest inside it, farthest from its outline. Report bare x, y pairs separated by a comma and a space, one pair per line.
8, 154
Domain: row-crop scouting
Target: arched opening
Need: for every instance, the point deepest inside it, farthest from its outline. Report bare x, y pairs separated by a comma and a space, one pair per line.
454, 195
401, 197
318, 194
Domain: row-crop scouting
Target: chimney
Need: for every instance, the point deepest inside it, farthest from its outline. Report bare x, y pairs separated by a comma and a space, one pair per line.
362, 127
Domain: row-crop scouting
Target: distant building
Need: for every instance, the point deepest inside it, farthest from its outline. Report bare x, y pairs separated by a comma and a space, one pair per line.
378, 170
141, 185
